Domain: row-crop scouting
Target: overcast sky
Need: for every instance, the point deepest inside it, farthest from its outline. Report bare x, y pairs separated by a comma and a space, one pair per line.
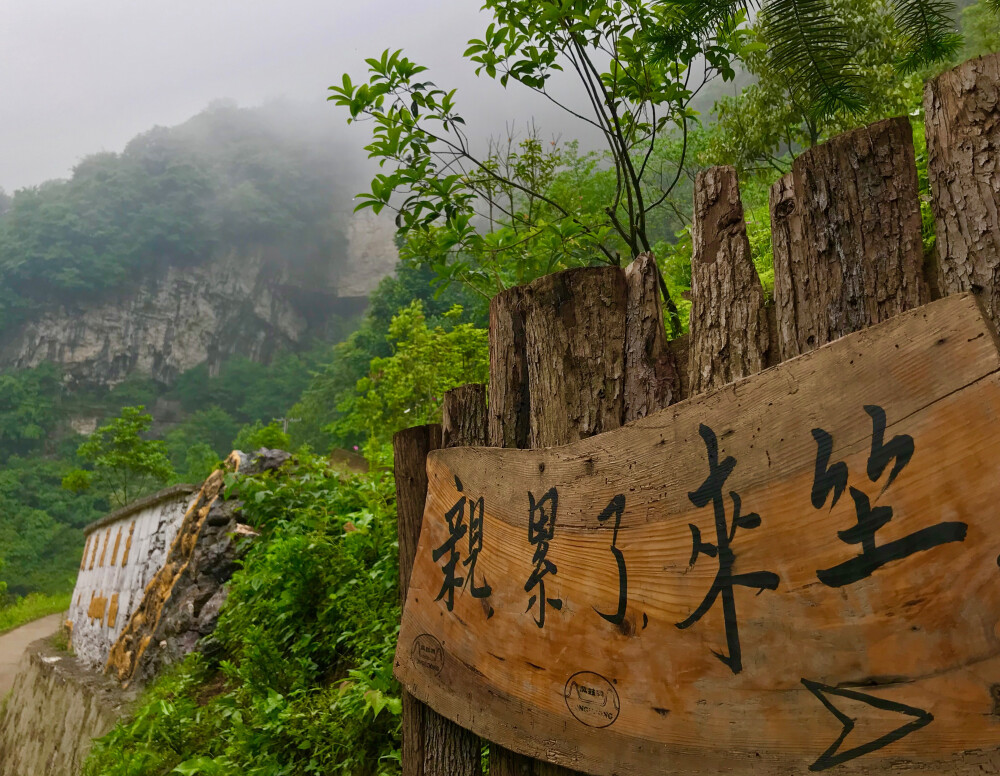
81, 76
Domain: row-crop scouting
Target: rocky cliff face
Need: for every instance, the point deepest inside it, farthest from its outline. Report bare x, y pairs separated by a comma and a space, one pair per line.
238, 304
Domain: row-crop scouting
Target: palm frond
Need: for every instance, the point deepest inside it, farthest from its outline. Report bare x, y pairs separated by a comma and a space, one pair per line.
807, 40
928, 29
682, 22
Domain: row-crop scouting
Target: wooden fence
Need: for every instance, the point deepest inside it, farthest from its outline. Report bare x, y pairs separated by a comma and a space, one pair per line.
582, 352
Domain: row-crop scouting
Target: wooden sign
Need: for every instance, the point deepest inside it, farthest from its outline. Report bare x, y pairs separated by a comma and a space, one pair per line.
798, 572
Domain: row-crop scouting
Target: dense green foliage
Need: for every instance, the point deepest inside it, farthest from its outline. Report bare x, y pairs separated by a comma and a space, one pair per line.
227, 178
301, 678
126, 464
769, 119
41, 524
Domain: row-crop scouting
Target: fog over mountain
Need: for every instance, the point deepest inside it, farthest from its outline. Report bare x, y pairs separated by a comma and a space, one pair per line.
81, 77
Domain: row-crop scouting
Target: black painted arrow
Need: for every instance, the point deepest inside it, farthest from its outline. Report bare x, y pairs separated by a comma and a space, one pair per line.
831, 757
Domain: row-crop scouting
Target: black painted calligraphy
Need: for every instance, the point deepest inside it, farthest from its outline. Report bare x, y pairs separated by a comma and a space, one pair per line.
541, 530
484, 590
615, 508
834, 755
711, 492
458, 530
869, 518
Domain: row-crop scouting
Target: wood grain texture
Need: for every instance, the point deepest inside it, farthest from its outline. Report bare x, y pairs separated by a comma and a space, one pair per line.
575, 340
911, 650
464, 420
962, 108
730, 337
508, 387
652, 377
410, 449
847, 243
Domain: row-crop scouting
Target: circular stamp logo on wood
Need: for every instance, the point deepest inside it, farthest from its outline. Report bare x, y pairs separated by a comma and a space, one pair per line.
592, 699
428, 653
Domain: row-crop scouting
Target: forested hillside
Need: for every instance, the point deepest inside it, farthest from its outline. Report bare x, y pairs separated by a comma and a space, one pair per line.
264, 193
304, 684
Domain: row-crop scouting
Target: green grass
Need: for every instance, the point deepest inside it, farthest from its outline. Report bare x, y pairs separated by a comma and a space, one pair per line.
32, 607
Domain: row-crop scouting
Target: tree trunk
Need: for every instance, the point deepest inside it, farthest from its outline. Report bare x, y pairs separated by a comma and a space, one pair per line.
652, 379
508, 387
847, 236
574, 334
729, 328
464, 419
410, 448
962, 109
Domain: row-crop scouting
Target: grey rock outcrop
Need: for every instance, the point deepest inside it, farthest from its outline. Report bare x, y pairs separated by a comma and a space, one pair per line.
237, 304
181, 604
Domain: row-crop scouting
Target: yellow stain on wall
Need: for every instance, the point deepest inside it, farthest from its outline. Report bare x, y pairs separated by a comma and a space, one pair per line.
113, 611
104, 550
118, 541
93, 554
98, 605
83, 560
128, 544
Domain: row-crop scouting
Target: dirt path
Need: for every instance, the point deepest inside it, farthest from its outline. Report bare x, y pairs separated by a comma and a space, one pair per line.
13, 644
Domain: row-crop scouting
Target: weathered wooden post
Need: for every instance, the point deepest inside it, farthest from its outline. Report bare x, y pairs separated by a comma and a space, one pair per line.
847, 243
652, 375
962, 108
730, 336
573, 355
410, 449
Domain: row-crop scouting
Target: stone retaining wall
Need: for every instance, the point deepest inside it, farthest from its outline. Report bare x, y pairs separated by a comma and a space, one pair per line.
56, 708
123, 552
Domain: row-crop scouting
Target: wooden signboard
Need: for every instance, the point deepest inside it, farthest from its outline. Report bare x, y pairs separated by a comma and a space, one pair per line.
798, 572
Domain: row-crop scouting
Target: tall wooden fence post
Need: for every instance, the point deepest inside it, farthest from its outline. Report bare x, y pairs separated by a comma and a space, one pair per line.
962, 108
652, 375
847, 243
410, 449
573, 355
730, 335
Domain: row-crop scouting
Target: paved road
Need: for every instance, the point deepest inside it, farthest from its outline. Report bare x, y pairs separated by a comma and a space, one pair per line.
13, 644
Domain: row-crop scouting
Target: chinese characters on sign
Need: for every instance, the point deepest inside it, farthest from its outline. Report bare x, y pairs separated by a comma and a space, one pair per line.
457, 530
465, 526
870, 518
541, 531
710, 492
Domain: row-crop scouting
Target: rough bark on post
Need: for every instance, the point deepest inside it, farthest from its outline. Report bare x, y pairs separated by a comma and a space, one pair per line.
652, 379
785, 231
508, 387
850, 252
450, 750
729, 326
574, 334
410, 449
962, 108
574, 326
463, 416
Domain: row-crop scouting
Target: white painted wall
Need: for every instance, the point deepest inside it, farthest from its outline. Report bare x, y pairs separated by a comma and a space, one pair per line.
121, 555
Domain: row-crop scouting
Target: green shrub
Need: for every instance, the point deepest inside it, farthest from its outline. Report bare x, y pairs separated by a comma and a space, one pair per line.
303, 682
